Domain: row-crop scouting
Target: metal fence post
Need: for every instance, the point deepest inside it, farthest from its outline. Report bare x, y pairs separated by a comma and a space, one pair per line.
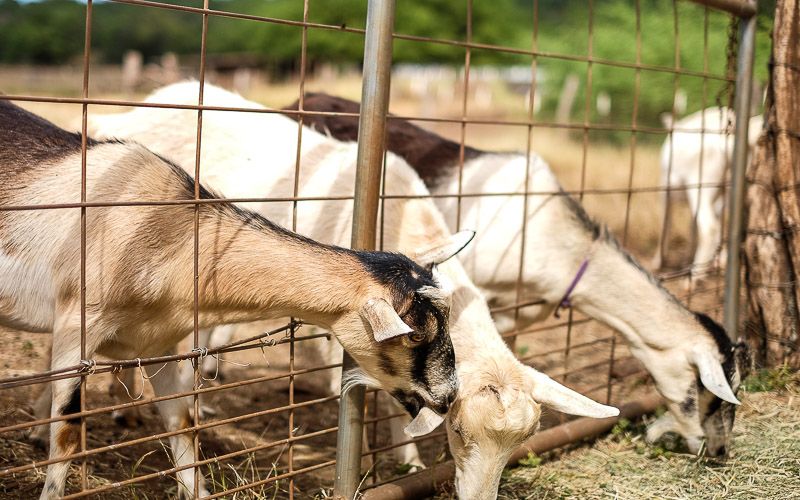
372, 121
744, 89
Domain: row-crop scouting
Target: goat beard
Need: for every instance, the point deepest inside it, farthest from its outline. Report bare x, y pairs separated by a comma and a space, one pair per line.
356, 376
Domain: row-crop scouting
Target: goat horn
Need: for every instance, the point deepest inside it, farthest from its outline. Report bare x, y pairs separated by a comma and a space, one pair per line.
549, 392
443, 250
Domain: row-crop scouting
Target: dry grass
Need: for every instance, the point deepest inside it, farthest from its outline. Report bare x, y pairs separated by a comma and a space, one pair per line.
765, 462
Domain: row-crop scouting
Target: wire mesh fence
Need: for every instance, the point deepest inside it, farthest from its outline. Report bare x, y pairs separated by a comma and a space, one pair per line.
264, 419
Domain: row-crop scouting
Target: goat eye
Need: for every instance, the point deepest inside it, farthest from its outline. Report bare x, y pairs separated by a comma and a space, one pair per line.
416, 337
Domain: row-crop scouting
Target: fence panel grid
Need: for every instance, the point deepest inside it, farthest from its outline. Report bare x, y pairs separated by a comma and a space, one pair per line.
265, 401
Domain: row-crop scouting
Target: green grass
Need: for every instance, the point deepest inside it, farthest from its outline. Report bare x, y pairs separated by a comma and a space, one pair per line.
774, 379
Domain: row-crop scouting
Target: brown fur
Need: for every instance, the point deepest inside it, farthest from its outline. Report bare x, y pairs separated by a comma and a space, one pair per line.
186, 421
432, 156
27, 139
67, 438
123, 242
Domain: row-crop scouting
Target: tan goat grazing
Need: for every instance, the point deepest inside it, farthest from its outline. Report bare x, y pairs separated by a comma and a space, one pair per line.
139, 279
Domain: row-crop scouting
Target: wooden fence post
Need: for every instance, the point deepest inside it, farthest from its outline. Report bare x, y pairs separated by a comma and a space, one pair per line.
772, 243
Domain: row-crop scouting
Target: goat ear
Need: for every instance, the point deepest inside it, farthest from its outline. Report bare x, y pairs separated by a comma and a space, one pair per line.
384, 320
443, 250
424, 423
550, 393
712, 375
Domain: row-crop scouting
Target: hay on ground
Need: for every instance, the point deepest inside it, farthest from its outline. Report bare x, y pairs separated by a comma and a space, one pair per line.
764, 462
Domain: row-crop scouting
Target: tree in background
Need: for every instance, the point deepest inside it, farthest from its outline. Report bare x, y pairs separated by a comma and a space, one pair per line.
52, 32
772, 242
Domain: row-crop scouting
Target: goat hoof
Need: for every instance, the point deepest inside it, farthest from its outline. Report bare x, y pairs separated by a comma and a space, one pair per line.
416, 466
207, 411
410, 466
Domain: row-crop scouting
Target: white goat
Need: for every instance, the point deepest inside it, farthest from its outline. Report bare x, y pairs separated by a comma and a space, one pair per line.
674, 344
252, 155
699, 151
139, 279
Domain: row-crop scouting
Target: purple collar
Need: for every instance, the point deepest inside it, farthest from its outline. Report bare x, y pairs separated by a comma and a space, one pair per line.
565, 303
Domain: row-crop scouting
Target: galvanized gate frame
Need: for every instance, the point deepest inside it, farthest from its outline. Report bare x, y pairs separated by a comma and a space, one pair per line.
369, 163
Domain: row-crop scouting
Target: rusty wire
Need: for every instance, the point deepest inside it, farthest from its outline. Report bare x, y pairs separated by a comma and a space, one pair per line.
571, 346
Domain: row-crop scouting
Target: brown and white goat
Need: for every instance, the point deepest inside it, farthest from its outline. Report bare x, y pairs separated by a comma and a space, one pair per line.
388, 312
695, 366
253, 154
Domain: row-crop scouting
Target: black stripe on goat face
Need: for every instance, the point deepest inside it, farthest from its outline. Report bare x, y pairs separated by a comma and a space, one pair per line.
396, 271
716, 415
432, 360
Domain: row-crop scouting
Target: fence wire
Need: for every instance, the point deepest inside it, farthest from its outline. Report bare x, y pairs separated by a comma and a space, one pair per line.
255, 432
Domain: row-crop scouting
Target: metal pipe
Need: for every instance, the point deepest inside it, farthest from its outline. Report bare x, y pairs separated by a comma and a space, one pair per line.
741, 8
424, 483
371, 136
744, 90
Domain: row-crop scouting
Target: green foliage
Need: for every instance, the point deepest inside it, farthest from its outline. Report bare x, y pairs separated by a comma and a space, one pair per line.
532, 460
615, 38
48, 32
775, 379
632, 433
53, 31
403, 468
621, 427
655, 451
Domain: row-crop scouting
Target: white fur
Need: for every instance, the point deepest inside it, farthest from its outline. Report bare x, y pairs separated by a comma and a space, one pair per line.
33, 309
237, 143
661, 332
700, 151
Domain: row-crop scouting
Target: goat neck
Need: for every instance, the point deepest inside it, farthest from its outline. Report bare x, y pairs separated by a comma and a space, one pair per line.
237, 247
660, 330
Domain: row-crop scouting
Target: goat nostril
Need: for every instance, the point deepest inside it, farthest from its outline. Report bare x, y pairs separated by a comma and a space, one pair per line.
451, 398
722, 451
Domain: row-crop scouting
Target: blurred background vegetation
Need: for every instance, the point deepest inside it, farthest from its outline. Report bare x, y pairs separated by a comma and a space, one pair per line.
137, 48
51, 32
